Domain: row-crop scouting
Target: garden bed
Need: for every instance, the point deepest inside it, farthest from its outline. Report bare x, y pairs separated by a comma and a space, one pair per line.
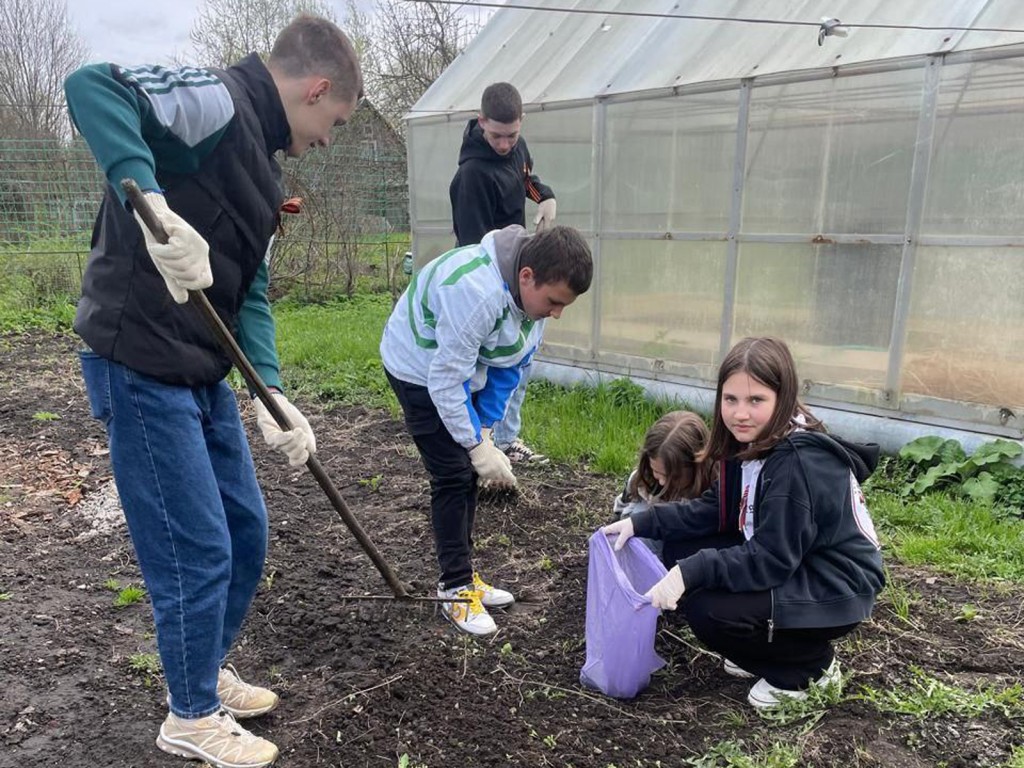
372, 684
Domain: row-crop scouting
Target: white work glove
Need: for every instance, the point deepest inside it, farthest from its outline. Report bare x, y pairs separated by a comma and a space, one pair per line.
491, 464
545, 218
666, 593
297, 443
184, 260
623, 529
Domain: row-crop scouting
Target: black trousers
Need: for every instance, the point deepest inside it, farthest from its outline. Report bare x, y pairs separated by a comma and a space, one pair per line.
736, 626
453, 483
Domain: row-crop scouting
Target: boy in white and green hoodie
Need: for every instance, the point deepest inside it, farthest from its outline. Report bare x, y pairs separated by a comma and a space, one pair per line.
453, 349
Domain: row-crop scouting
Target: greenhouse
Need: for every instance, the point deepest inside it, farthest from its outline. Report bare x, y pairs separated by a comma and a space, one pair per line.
846, 175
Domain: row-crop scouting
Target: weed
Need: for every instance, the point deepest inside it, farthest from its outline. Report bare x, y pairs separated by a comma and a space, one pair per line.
112, 584
506, 649
925, 696
733, 754
373, 483
45, 416
404, 761
967, 613
5, 596
268, 579
147, 666
147, 663
545, 563
900, 598
129, 595
550, 741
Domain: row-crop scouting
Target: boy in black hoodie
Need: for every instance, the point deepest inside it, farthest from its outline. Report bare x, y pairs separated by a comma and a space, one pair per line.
780, 557
488, 192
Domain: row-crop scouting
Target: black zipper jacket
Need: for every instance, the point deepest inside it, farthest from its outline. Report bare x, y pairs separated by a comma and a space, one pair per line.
489, 190
814, 546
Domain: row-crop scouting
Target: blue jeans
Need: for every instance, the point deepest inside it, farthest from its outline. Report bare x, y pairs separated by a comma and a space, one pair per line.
195, 514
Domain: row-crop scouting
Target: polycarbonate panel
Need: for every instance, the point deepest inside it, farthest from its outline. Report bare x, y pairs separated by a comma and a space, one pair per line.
561, 144
573, 329
833, 305
832, 155
976, 182
965, 339
553, 56
434, 158
663, 300
669, 162
428, 247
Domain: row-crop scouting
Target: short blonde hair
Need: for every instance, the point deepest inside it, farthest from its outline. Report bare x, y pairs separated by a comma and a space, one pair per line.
311, 45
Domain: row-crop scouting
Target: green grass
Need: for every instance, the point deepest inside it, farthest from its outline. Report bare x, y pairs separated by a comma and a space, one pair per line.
966, 538
601, 427
129, 596
331, 350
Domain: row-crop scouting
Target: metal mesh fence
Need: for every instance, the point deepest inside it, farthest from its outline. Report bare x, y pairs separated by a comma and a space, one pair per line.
350, 235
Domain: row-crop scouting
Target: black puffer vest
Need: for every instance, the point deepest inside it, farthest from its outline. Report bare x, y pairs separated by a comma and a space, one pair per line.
126, 313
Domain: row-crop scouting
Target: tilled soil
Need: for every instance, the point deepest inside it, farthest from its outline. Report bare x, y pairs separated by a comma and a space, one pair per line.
373, 684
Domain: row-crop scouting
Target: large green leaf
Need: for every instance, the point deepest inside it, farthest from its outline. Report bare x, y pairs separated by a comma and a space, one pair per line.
923, 450
984, 487
996, 451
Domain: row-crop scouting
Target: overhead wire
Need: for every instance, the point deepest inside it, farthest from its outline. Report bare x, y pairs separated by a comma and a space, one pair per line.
700, 17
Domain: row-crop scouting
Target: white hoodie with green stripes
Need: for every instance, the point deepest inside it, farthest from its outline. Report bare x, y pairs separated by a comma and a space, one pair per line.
458, 331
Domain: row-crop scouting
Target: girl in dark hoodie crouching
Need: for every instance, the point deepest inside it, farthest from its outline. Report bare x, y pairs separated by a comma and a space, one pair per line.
779, 557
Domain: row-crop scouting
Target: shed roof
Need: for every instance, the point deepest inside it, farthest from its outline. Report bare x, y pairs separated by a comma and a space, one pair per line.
555, 56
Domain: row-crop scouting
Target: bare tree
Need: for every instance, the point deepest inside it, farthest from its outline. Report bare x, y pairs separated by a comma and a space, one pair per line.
227, 30
38, 49
405, 46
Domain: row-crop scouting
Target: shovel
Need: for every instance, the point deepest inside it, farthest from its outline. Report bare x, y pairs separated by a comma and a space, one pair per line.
252, 378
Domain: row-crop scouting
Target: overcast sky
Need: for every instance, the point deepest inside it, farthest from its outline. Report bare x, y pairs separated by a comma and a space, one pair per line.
146, 31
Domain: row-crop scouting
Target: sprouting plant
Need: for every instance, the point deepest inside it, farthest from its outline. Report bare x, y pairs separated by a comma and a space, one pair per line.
968, 613
549, 740
45, 416
129, 595
373, 483
112, 584
506, 649
5, 595
545, 563
268, 579
146, 663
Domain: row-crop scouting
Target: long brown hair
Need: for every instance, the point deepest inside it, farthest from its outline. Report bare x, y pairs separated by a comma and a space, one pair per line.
676, 439
768, 360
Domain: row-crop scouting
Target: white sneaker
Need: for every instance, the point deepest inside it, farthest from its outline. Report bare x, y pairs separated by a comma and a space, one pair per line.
240, 698
491, 597
217, 739
470, 617
764, 695
734, 669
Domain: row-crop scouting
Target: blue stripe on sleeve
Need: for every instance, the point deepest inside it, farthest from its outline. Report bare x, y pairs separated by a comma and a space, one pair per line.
474, 417
492, 400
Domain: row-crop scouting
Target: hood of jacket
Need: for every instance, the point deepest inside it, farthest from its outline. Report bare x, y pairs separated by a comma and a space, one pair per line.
508, 247
861, 458
475, 146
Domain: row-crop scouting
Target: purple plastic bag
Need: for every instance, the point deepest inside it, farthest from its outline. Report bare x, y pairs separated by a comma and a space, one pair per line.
621, 622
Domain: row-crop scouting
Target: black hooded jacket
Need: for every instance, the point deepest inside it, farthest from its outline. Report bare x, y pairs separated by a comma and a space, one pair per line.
489, 190
814, 546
